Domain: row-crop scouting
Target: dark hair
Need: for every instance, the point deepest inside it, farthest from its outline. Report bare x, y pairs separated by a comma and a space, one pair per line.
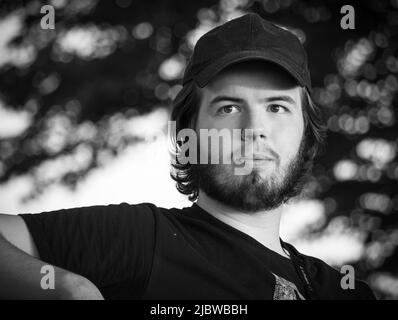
185, 112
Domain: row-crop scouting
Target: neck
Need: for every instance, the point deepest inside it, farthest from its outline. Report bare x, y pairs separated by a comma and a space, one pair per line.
263, 225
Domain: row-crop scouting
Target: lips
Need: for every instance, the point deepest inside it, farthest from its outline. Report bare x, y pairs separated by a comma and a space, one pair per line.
259, 156
256, 157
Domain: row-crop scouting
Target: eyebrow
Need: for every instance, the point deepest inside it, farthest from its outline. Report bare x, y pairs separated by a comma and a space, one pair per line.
239, 100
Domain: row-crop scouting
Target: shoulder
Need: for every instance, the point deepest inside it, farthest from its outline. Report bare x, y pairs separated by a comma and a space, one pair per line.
330, 283
98, 217
158, 216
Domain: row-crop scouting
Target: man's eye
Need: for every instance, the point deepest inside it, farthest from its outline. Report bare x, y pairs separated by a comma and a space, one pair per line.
277, 108
228, 109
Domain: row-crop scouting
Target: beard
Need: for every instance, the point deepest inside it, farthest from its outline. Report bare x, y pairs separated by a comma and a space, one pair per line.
252, 192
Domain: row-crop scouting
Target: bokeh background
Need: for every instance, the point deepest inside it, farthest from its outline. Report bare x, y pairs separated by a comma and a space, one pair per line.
84, 110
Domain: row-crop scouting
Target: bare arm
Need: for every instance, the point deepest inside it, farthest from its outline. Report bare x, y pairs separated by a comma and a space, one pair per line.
15, 231
20, 268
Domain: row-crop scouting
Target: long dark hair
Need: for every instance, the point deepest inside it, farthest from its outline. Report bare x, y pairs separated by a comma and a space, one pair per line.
185, 112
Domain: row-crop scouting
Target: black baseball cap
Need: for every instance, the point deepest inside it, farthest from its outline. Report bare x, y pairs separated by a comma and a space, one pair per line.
248, 37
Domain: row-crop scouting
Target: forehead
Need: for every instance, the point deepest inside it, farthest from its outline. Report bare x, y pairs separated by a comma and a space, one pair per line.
254, 77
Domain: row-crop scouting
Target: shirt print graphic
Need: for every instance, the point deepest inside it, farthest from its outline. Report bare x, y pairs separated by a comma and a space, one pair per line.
286, 290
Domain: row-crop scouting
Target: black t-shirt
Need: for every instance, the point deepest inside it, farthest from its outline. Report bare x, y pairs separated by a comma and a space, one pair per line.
146, 252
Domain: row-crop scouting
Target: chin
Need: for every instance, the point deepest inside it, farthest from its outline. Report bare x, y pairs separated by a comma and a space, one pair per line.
264, 172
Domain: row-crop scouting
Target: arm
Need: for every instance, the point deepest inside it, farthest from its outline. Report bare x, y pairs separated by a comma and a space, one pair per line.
20, 276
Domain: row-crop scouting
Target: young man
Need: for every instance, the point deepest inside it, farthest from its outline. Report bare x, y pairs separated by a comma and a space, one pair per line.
247, 75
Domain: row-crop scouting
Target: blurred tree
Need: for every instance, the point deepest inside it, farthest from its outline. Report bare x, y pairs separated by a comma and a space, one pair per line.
107, 61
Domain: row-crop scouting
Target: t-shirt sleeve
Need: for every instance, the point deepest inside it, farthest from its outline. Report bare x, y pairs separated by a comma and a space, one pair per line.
111, 245
364, 291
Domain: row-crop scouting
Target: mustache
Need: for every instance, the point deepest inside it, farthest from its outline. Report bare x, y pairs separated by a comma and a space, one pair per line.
267, 154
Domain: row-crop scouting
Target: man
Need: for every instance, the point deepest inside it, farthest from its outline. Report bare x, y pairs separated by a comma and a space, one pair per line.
247, 75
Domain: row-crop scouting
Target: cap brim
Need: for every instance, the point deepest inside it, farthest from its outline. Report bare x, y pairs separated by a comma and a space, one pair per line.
182, 94
204, 76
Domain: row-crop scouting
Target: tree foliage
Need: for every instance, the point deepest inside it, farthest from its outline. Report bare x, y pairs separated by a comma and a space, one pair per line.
108, 61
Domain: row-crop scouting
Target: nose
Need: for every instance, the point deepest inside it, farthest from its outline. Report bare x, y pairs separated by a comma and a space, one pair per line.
255, 126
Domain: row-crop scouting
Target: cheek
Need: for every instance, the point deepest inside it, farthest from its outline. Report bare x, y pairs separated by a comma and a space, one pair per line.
289, 138
218, 145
